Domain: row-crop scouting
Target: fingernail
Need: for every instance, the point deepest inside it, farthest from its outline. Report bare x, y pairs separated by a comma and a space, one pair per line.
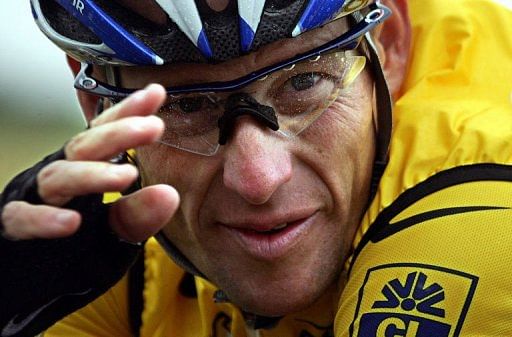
138, 95
121, 169
145, 123
151, 85
64, 218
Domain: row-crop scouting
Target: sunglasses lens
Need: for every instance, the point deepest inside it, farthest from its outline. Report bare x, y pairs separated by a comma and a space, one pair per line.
298, 95
191, 123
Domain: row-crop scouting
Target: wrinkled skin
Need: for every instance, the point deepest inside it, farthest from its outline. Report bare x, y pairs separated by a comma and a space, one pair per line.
325, 172
259, 177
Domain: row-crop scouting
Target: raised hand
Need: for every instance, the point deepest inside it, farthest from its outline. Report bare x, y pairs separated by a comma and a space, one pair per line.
86, 169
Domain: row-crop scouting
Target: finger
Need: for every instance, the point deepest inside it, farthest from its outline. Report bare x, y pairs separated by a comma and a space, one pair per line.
142, 214
62, 180
23, 221
141, 103
107, 140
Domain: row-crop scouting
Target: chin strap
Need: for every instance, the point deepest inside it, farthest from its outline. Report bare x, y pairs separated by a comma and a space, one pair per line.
177, 256
384, 106
252, 320
383, 102
384, 124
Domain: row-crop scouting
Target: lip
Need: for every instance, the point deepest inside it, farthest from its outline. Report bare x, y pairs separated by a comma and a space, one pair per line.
272, 246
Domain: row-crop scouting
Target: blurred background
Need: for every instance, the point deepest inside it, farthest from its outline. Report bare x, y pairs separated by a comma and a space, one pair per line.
38, 109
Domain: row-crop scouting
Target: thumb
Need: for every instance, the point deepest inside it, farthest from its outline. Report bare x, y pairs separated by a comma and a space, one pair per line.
138, 216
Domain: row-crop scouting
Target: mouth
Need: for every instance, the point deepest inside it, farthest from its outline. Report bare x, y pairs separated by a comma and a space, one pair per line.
271, 242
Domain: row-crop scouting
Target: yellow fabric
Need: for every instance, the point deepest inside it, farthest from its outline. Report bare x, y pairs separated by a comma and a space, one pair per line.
457, 103
456, 110
467, 255
107, 316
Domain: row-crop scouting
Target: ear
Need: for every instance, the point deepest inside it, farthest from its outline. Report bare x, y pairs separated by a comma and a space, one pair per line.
393, 41
88, 102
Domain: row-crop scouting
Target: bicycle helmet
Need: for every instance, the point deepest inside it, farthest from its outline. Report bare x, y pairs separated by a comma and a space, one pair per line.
104, 32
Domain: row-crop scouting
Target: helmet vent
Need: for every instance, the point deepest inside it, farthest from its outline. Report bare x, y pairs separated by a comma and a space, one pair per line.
278, 20
277, 5
221, 28
168, 41
132, 21
65, 24
178, 34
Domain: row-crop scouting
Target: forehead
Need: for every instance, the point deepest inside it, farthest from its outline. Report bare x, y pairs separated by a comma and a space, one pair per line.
267, 55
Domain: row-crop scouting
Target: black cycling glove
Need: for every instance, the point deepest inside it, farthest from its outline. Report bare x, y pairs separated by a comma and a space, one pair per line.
44, 280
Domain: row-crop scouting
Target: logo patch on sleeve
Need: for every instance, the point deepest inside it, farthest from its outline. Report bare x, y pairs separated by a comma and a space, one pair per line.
412, 300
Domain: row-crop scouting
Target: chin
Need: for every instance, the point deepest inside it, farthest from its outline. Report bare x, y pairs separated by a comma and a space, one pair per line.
273, 307
280, 298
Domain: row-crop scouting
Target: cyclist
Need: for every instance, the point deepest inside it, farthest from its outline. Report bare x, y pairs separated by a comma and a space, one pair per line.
256, 163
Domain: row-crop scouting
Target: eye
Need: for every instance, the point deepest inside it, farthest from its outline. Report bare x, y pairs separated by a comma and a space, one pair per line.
304, 81
190, 104
189, 116
303, 92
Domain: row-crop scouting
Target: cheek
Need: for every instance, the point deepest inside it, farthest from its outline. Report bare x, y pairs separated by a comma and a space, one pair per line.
159, 165
345, 133
354, 134
191, 175
343, 143
347, 124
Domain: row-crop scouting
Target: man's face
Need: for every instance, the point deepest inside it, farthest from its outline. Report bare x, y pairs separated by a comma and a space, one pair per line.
235, 203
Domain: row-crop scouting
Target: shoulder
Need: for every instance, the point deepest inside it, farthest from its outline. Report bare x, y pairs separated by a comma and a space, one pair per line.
436, 259
105, 316
109, 314
456, 106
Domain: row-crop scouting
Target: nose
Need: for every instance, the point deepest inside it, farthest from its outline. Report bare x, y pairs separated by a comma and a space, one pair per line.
256, 162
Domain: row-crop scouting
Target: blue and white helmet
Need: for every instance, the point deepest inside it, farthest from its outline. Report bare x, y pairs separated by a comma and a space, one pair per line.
104, 32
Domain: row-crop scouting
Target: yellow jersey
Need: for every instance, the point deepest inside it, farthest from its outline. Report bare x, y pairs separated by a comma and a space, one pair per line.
433, 255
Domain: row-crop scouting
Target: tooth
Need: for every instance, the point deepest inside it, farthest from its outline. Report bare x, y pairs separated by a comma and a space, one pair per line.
281, 226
